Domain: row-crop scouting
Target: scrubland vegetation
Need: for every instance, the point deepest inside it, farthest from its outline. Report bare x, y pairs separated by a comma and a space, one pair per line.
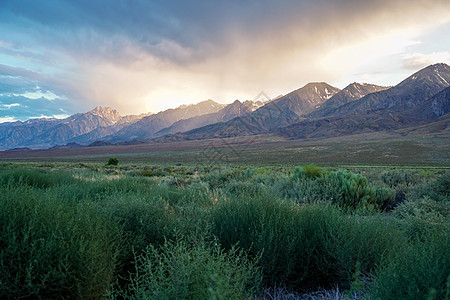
223, 232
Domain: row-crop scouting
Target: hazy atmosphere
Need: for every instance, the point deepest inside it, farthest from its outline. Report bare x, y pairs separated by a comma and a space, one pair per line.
62, 57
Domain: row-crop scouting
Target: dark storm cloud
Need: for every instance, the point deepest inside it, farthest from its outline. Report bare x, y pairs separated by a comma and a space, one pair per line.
107, 28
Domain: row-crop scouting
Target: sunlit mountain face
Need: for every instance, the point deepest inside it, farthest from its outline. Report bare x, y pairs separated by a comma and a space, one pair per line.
59, 59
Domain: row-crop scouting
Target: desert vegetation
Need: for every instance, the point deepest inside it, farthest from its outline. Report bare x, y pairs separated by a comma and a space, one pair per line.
175, 231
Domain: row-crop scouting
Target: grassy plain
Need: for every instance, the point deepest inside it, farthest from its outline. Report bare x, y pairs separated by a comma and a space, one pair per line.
371, 149
234, 218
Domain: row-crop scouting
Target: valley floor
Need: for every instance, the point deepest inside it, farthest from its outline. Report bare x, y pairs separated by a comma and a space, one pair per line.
371, 149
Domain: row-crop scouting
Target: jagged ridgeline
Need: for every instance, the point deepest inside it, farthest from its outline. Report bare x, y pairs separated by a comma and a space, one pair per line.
316, 110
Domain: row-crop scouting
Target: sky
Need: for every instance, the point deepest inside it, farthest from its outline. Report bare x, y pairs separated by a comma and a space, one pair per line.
60, 57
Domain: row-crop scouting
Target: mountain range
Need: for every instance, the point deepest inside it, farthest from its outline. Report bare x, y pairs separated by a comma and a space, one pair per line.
316, 110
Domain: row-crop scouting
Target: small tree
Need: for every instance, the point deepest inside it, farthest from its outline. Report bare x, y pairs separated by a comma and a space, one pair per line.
112, 162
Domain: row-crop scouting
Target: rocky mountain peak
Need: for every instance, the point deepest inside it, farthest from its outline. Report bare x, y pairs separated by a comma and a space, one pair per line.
106, 112
357, 90
437, 74
317, 92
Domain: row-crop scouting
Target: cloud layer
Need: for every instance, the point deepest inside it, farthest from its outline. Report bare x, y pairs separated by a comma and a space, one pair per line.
141, 55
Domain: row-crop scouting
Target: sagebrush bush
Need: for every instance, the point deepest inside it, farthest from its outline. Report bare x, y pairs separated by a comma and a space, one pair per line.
437, 189
243, 188
419, 270
343, 188
314, 191
354, 189
248, 173
393, 178
302, 246
143, 221
298, 174
422, 217
184, 269
33, 177
312, 171
54, 249
220, 178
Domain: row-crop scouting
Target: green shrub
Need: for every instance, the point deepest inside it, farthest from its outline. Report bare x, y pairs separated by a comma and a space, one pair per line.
243, 188
393, 178
147, 173
385, 197
33, 177
343, 188
54, 249
220, 178
112, 162
299, 174
248, 173
426, 175
143, 221
315, 191
354, 189
193, 270
312, 171
437, 189
303, 246
419, 270
422, 217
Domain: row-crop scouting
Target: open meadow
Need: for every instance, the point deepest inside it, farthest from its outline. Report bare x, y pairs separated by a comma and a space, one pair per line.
364, 149
140, 230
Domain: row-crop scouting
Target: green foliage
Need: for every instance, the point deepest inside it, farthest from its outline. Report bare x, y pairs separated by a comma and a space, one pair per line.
143, 221
418, 270
437, 189
317, 191
354, 189
147, 173
39, 178
422, 217
393, 178
220, 178
248, 173
194, 270
112, 162
302, 246
243, 188
52, 249
343, 188
427, 207
88, 231
312, 171
357, 285
385, 196
299, 174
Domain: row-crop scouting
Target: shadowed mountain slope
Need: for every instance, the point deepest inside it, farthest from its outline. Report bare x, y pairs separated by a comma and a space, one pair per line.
42, 133
233, 110
148, 126
350, 93
409, 93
